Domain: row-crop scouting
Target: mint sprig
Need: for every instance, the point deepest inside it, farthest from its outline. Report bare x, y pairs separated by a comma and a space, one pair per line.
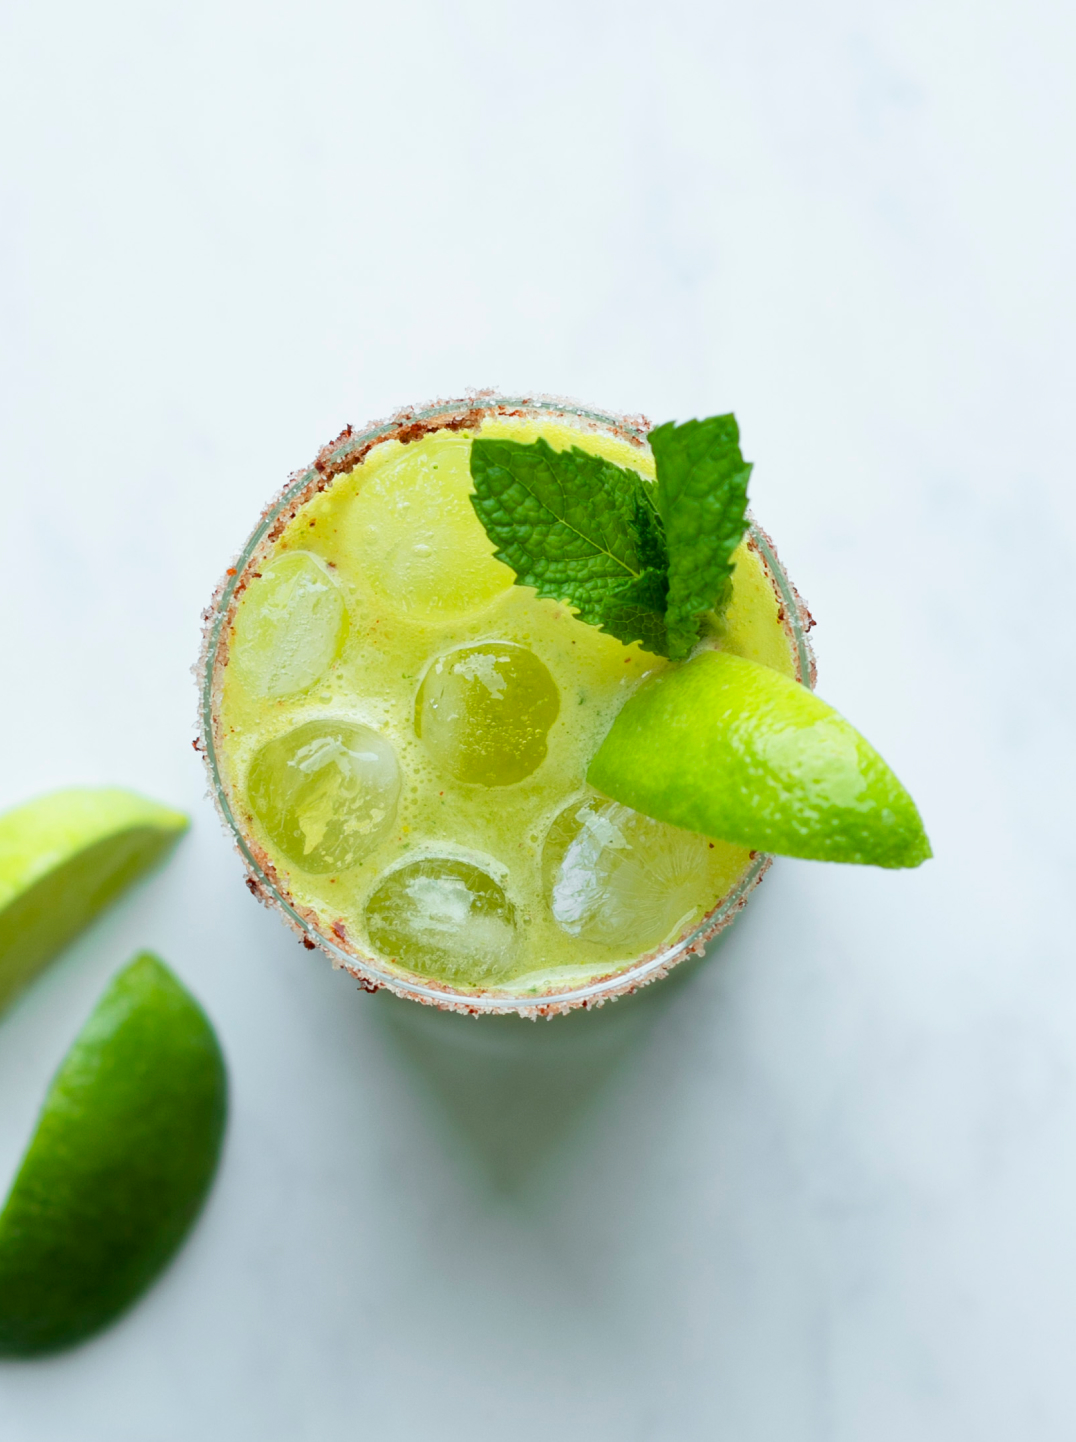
640, 561
702, 497
577, 529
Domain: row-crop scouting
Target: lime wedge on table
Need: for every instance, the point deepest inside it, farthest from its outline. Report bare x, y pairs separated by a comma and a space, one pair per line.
124, 1152
62, 858
739, 752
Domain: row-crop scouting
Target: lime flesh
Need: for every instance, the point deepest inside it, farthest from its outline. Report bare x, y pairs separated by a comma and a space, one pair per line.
63, 858
125, 1149
735, 750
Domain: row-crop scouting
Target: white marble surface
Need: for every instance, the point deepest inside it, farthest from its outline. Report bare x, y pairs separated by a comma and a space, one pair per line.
824, 1190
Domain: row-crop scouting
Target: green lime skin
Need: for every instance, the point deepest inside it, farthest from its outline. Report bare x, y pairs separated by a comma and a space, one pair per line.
124, 1153
65, 856
739, 752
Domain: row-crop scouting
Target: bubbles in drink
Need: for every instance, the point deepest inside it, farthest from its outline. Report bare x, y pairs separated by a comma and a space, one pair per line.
445, 918
612, 875
326, 793
484, 712
415, 534
289, 627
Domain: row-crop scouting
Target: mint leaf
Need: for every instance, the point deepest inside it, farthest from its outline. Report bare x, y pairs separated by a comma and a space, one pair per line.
636, 613
702, 500
578, 529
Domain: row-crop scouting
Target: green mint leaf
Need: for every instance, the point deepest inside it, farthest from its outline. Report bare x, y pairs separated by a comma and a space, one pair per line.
578, 529
702, 500
635, 613
650, 530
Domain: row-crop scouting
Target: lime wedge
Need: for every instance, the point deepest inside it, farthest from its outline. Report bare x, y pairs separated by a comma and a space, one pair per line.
62, 858
124, 1152
739, 752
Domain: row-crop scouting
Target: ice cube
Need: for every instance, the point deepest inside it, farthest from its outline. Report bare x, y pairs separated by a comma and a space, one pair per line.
612, 875
444, 918
290, 626
484, 712
414, 532
325, 792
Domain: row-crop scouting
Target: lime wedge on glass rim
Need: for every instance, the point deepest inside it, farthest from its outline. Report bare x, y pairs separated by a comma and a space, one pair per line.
65, 856
737, 751
122, 1159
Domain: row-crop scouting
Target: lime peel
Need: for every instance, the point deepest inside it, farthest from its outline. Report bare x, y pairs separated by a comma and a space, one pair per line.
63, 858
739, 752
122, 1159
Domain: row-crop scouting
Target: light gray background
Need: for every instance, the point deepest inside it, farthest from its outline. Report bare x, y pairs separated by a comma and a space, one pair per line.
825, 1187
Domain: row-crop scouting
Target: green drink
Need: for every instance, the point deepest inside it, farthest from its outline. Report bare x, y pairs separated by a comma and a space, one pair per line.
399, 735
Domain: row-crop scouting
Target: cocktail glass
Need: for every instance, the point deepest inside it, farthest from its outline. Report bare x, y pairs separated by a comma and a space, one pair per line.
337, 459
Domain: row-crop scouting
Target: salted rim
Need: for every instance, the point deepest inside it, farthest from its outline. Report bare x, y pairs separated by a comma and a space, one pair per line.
340, 456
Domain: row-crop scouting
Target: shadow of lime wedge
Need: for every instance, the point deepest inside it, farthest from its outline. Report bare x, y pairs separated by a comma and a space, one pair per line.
124, 1153
65, 856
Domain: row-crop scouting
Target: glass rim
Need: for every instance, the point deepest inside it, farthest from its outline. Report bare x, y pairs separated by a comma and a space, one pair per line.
337, 458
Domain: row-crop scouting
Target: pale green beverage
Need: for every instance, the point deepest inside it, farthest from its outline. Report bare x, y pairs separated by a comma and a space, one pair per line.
399, 735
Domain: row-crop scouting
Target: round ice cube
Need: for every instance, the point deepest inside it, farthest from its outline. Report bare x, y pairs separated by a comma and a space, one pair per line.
614, 876
483, 712
444, 918
325, 792
415, 533
289, 627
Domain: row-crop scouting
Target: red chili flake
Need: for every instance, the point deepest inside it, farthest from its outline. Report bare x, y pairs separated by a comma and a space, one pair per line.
231, 570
